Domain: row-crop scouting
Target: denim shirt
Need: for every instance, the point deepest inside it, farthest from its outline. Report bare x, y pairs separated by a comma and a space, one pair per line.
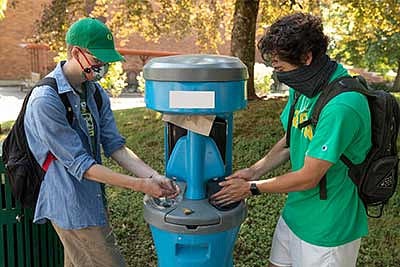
66, 197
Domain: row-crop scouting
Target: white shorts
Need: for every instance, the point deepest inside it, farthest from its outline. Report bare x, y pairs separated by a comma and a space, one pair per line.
290, 251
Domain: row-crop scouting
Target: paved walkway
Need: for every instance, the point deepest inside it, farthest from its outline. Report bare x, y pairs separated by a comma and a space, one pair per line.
11, 99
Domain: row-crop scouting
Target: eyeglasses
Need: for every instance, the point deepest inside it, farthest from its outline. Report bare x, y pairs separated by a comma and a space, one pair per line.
98, 62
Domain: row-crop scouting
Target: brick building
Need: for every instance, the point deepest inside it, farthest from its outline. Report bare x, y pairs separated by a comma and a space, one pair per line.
17, 62
15, 28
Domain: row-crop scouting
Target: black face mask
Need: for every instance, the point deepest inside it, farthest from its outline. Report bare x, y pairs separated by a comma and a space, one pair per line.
311, 79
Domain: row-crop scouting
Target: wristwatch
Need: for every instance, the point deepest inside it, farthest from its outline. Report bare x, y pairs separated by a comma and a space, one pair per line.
254, 189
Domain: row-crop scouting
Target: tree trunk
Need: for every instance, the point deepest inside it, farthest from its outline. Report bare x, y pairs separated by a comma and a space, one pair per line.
243, 38
396, 85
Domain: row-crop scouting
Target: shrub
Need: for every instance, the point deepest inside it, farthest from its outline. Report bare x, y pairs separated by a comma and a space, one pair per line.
262, 79
115, 80
141, 82
62, 55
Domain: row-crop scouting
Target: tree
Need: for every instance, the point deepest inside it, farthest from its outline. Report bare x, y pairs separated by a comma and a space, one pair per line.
3, 7
243, 38
365, 33
244, 30
55, 20
208, 20
211, 21
368, 33
151, 19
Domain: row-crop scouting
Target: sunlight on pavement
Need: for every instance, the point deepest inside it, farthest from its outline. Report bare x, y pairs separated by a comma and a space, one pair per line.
11, 100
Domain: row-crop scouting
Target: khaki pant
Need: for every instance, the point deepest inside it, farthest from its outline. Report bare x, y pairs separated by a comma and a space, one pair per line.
90, 247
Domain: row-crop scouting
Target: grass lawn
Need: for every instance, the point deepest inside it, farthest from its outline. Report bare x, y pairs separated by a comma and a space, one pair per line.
256, 129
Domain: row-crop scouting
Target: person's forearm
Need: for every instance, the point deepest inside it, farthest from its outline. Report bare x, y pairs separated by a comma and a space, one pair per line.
127, 159
104, 175
289, 182
306, 178
278, 155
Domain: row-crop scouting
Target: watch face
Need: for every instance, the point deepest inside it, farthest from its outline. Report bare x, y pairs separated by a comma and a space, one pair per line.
254, 189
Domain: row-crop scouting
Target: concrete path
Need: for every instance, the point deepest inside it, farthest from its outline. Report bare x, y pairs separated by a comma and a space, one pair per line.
11, 99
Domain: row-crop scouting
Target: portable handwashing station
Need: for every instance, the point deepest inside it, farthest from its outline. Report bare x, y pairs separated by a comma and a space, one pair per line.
194, 91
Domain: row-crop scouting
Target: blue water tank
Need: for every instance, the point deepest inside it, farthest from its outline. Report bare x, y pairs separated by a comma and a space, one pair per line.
195, 84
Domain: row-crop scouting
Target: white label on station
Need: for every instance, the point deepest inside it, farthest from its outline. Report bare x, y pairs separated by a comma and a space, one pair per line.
192, 99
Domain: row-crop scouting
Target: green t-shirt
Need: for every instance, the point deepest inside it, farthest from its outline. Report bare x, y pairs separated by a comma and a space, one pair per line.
344, 126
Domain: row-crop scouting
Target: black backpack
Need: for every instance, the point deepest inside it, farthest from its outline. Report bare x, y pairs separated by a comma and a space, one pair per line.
23, 171
376, 177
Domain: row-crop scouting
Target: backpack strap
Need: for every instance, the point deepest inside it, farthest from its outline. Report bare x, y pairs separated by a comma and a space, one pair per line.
291, 115
67, 105
97, 97
49, 159
336, 87
49, 81
323, 192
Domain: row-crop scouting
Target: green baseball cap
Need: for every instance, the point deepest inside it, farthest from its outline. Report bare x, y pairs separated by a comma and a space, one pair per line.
95, 36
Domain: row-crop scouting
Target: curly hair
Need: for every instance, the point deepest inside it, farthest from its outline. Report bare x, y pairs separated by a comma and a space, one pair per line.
292, 37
